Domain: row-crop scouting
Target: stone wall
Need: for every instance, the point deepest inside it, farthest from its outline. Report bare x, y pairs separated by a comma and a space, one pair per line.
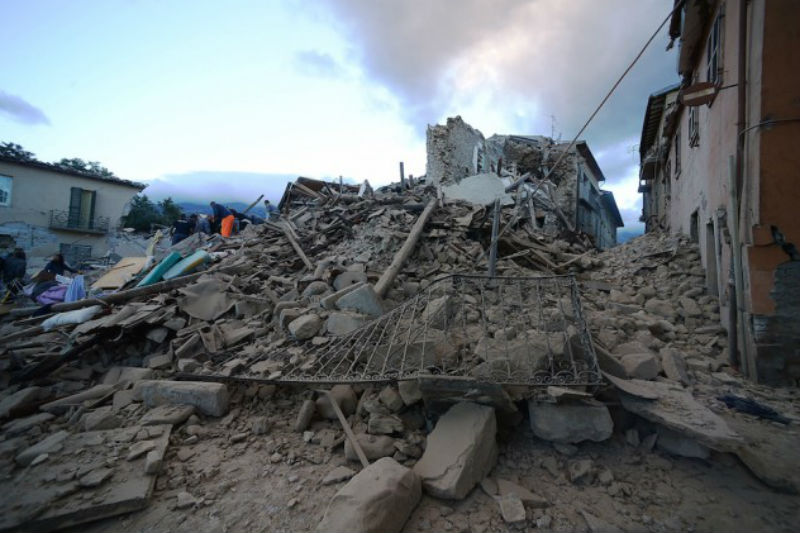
455, 151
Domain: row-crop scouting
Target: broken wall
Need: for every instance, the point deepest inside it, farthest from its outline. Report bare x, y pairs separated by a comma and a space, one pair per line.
455, 151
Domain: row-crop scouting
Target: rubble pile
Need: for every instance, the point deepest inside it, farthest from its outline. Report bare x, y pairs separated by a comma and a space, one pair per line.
182, 388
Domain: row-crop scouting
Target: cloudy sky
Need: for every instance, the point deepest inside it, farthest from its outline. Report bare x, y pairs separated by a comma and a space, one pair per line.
225, 100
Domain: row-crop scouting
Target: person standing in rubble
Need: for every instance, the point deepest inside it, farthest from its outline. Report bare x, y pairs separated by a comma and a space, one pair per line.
14, 265
272, 211
57, 266
182, 228
225, 219
202, 225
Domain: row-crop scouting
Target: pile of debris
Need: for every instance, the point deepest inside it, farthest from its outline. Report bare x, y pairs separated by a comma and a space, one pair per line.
384, 295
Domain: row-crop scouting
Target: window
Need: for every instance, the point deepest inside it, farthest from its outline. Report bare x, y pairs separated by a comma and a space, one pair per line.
6, 183
714, 51
694, 126
678, 153
81, 208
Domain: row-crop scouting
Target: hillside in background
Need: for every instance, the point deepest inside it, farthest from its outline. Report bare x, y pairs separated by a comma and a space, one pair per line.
193, 207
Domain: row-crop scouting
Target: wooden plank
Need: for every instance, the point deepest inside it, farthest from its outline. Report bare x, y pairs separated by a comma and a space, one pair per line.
121, 273
348, 431
402, 255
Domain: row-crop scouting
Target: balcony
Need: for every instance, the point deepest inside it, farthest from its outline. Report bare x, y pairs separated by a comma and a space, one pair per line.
62, 220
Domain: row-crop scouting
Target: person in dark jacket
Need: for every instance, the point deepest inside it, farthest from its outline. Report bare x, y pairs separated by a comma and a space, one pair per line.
57, 266
182, 229
14, 265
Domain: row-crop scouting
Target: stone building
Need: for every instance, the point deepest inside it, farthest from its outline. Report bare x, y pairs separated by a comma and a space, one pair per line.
719, 162
569, 199
46, 209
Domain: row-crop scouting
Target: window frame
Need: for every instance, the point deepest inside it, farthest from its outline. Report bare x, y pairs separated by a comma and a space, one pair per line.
693, 117
714, 49
9, 191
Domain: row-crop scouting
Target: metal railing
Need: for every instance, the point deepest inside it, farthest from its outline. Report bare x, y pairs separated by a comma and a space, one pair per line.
63, 220
504, 330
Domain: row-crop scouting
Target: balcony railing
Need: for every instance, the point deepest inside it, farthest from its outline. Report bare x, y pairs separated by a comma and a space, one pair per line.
62, 220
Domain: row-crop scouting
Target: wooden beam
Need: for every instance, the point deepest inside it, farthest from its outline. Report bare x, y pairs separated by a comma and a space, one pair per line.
402, 255
287, 231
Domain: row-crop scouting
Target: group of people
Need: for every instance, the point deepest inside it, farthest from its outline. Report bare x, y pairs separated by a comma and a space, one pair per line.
14, 274
223, 220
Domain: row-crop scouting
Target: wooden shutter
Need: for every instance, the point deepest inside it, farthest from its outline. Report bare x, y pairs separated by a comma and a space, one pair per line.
74, 219
91, 210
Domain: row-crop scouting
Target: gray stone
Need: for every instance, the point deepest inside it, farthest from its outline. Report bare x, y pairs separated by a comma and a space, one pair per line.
49, 445
439, 312
152, 462
676, 444
344, 323
140, 448
461, 450
184, 500
373, 446
380, 498
410, 391
305, 415
346, 279
660, 307
95, 478
329, 302
578, 470
363, 300
674, 365
260, 425
21, 425
167, 414
570, 423
209, 398
391, 399
337, 475
344, 396
21, 400
384, 425
565, 449
305, 327
512, 509
689, 306
315, 288
101, 418
642, 365
632, 437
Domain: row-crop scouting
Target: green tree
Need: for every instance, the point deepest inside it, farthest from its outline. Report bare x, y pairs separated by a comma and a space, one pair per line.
170, 211
8, 149
92, 167
143, 213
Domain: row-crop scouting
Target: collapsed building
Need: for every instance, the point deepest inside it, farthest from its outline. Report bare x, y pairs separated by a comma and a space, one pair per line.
566, 198
326, 369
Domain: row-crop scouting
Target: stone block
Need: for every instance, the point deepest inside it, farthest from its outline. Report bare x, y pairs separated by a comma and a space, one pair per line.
570, 423
379, 498
305, 327
461, 450
209, 398
344, 396
363, 300
344, 323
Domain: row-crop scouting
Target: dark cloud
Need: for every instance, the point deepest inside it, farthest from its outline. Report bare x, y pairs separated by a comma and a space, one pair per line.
319, 64
537, 66
21, 111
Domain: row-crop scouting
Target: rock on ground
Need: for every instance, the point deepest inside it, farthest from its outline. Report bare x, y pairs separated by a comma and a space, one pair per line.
570, 423
374, 447
461, 450
344, 396
380, 498
209, 398
305, 327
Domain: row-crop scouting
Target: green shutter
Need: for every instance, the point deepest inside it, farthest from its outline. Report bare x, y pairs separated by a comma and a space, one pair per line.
74, 219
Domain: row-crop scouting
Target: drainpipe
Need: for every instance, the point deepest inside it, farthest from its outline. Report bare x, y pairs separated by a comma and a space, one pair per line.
737, 318
736, 188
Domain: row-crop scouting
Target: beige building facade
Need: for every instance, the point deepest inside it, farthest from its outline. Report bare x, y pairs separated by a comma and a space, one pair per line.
45, 209
719, 162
